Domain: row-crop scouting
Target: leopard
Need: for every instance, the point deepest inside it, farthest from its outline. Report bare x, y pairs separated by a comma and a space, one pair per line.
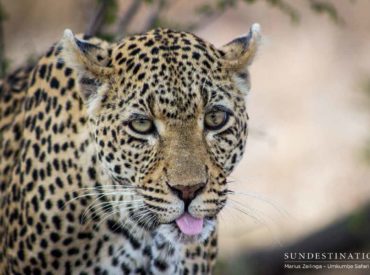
115, 156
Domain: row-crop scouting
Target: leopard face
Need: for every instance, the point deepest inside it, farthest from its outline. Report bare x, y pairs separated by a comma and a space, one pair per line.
168, 118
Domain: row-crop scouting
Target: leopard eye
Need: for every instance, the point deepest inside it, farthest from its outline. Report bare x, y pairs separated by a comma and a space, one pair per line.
142, 126
215, 119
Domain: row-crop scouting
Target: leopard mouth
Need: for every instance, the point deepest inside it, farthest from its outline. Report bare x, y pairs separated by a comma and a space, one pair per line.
190, 225
188, 228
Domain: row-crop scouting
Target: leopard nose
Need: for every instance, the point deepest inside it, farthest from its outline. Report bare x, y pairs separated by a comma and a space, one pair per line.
186, 192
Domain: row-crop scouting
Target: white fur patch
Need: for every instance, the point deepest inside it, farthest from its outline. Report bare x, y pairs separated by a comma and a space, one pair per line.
94, 102
241, 84
256, 28
70, 50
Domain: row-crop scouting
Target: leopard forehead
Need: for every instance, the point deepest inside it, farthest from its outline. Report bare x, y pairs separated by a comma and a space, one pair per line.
175, 73
163, 46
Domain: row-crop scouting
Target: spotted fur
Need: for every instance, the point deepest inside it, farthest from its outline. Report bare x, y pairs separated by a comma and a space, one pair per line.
81, 192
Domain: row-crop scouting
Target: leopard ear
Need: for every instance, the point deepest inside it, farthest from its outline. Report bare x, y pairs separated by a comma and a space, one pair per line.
239, 54
91, 63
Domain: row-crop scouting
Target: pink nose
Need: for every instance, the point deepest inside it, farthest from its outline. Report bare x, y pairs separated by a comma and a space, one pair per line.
186, 192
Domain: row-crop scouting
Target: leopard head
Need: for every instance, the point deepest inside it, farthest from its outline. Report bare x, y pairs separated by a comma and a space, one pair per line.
167, 115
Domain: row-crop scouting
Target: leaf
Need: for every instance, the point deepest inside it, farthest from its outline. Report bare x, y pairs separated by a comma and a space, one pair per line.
205, 9
3, 14
286, 8
111, 13
4, 66
224, 4
106, 36
328, 8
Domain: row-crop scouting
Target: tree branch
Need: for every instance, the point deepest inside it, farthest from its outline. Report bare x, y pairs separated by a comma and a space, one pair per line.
127, 17
97, 20
154, 16
2, 43
2, 51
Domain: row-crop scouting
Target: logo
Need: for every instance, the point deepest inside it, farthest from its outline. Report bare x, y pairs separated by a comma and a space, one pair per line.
326, 260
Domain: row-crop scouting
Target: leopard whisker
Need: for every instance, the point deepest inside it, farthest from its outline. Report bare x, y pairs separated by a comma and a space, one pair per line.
89, 195
259, 220
261, 198
133, 224
119, 210
113, 186
102, 204
254, 210
78, 197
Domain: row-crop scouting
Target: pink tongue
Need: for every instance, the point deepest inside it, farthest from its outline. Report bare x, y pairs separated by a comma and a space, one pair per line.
189, 225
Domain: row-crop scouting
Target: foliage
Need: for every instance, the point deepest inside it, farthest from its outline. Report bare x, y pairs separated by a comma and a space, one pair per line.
107, 24
207, 12
317, 6
3, 14
358, 220
4, 63
328, 8
110, 15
